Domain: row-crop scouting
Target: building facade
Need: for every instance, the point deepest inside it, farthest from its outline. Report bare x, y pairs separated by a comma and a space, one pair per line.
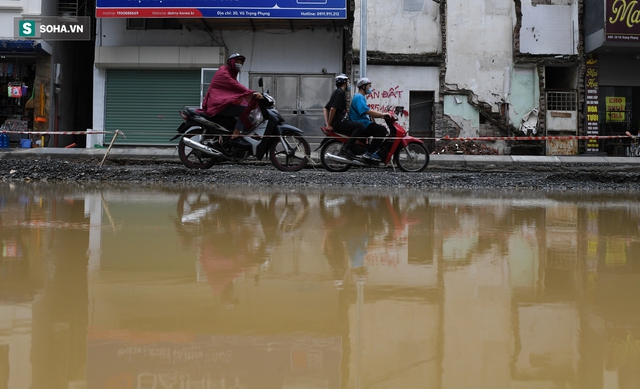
478, 69
612, 46
147, 69
48, 80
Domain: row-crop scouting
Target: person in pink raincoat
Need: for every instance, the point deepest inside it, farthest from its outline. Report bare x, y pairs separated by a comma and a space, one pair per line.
226, 95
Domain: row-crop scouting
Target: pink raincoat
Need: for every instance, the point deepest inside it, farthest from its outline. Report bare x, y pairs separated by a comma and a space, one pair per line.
224, 90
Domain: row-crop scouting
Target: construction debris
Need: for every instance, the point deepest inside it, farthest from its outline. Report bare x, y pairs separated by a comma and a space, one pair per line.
466, 148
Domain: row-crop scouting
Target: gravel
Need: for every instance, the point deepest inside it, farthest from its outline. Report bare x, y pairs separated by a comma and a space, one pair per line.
580, 177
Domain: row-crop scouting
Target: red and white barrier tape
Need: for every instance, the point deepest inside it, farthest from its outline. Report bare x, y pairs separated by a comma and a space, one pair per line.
567, 137
56, 132
446, 138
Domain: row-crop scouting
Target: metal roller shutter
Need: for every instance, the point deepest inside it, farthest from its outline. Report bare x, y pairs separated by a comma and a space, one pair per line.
619, 70
144, 104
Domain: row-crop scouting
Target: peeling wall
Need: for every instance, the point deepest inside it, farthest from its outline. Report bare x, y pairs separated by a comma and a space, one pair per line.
400, 27
465, 115
525, 93
480, 47
549, 29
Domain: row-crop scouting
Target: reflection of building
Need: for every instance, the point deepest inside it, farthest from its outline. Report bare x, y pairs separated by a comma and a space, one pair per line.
516, 291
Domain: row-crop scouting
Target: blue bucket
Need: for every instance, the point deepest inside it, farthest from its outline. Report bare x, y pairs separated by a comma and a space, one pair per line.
25, 143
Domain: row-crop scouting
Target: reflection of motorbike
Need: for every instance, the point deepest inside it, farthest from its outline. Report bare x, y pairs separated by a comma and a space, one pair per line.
409, 153
235, 233
206, 140
362, 230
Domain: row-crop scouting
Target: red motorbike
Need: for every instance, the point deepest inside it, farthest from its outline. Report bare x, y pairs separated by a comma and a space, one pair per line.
408, 153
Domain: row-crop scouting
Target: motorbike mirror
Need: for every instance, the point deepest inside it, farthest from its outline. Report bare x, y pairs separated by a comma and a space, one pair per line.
260, 83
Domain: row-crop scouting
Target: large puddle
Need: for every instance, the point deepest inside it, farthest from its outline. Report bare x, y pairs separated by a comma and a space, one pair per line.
243, 288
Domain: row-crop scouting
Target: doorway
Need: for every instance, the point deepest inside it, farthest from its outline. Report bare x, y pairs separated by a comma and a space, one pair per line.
420, 116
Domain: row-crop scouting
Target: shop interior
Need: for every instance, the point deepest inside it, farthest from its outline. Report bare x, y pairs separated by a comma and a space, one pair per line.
17, 97
621, 105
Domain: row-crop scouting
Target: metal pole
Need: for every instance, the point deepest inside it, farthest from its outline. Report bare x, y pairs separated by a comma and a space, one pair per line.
363, 38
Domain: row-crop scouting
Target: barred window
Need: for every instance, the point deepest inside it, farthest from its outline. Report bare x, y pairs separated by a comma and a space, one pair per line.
561, 101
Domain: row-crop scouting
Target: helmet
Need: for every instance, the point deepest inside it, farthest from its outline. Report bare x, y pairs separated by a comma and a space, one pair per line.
341, 79
363, 81
235, 56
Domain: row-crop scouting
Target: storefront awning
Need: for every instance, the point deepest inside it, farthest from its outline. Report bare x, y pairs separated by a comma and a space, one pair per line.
20, 47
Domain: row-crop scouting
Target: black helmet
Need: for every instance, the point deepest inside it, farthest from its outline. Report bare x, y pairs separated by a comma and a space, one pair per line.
235, 56
341, 79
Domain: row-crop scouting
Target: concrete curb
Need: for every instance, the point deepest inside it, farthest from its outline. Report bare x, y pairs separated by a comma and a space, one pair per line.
170, 154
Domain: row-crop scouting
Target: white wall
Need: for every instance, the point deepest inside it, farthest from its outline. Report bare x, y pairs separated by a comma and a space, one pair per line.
391, 29
281, 51
392, 84
479, 47
10, 9
276, 51
549, 29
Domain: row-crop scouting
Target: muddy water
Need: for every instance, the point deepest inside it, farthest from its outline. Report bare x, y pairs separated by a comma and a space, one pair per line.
162, 288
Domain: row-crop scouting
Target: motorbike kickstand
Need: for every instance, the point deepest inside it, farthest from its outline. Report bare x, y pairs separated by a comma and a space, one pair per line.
308, 157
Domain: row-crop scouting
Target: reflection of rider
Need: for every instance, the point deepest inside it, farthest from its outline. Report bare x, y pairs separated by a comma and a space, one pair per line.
336, 109
359, 228
346, 241
360, 112
226, 94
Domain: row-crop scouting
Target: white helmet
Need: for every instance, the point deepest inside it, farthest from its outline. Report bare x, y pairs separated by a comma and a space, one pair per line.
341, 79
363, 81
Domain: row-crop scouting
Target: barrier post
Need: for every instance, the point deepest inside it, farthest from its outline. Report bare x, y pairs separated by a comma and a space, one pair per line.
117, 132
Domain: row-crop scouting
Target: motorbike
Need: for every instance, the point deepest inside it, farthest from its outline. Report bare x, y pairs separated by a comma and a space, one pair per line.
206, 140
407, 152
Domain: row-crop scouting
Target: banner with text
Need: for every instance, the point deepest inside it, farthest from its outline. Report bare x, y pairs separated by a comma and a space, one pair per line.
622, 21
278, 9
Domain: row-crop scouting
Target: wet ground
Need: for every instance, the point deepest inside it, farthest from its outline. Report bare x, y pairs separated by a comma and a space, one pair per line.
580, 176
118, 285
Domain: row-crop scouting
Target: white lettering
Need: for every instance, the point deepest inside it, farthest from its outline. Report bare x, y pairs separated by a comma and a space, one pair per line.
61, 29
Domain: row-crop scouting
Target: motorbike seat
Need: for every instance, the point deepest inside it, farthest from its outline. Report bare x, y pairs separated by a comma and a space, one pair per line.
198, 112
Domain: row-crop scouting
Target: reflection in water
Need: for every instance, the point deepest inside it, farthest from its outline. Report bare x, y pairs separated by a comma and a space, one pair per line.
231, 288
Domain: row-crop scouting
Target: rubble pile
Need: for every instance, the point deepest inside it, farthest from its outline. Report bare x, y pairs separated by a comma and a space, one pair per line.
466, 148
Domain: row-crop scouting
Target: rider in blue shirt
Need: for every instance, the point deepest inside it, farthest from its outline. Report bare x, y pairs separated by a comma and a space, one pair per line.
360, 112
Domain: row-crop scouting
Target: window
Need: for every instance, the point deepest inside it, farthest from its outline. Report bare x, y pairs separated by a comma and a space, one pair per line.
206, 75
561, 101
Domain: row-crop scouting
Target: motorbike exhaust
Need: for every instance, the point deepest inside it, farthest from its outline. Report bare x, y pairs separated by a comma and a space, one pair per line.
200, 147
339, 159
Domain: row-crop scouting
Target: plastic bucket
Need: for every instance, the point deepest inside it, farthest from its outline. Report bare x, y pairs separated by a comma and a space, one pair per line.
25, 143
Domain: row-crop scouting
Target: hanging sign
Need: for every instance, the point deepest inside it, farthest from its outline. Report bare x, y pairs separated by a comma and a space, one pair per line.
15, 91
252, 9
593, 102
616, 106
621, 21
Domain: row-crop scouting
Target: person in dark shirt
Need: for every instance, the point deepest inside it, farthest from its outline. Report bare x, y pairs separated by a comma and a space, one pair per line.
335, 113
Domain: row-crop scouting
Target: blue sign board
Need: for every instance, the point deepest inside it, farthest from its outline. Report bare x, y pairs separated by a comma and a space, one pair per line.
276, 9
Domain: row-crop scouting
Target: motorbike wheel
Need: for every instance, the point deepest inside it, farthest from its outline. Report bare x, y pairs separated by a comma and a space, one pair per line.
293, 157
413, 158
332, 147
192, 158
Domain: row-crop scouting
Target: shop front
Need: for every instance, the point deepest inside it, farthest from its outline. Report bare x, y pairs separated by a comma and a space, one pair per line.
148, 68
612, 82
19, 90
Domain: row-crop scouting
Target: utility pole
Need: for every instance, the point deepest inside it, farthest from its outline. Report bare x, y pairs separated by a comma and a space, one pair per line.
363, 38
